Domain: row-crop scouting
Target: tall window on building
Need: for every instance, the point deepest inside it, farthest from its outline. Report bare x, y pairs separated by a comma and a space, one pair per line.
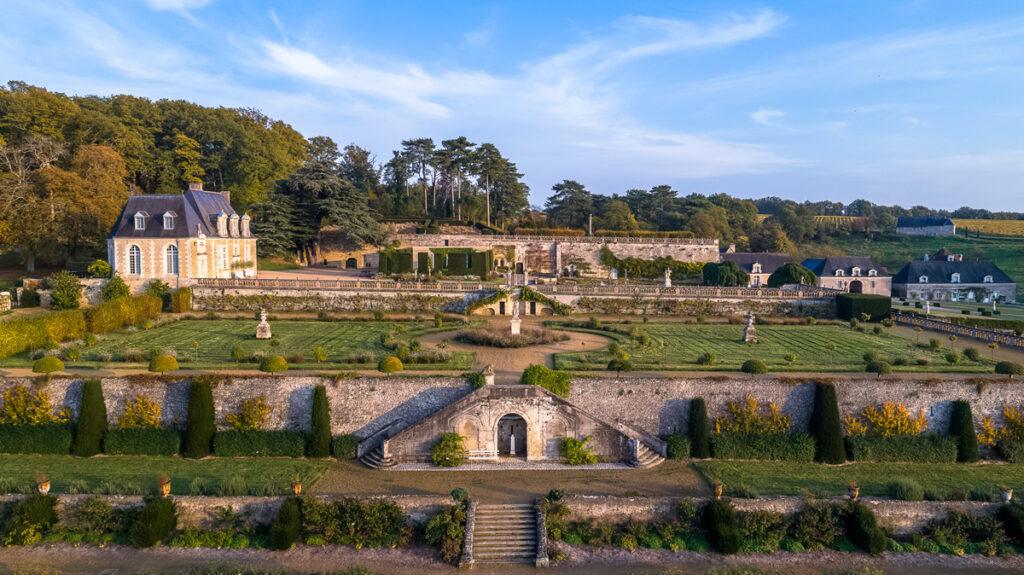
140, 220
172, 260
169, 221
248, 253
134, 260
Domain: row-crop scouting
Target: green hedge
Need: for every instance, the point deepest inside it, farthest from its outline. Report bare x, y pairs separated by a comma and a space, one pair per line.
1012, 450
92, 421
259, 443
49, 438
345, 446
677, 445
700, 445
555, 381
765, 446
925, 448
395, 262
122, 312
851, 305
825, 426
142, 441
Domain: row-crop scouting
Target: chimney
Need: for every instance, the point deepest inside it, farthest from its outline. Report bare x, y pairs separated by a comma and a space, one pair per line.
926, 257
195, 186
227, 196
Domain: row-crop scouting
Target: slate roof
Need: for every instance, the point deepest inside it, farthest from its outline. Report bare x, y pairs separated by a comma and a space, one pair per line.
828, 266
922, 221
941, 272
195, 210
769, 262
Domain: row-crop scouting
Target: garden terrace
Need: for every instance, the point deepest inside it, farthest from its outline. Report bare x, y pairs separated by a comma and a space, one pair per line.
677, 346
209, 344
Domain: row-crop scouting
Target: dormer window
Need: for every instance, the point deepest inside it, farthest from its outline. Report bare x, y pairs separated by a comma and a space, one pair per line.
950, 258
222, 224
922, 280
234, 225
169, 220
140, 220
955, 278
855, 271
839, 273
756, 268
245, 225
872, 273
987, 280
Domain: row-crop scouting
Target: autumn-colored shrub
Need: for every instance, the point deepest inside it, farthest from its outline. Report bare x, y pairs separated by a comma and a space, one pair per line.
251, 415
390, 365
163, 363
891, 420
24, 407
748, 417
140, 412
47, 365
273, 364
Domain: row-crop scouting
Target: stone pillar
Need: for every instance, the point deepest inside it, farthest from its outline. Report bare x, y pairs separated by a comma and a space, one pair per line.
5, 301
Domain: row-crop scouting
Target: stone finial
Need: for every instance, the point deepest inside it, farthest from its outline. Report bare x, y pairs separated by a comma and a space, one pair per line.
489, 374
263, 329
750, 332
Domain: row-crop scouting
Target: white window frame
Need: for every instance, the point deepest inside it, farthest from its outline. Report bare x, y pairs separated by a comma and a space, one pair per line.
922, 280
756, 268
872, 273
140, 221
840, 273
134, 260
169, 221
855, 272
171, 260
955, 278
248, 253
987, 280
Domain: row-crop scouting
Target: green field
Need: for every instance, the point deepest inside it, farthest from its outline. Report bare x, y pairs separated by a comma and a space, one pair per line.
216, 338
894, 251
675, 346
789, 478
125, 474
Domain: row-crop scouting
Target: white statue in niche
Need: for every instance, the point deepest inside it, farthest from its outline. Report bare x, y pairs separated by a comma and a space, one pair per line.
515, 322
668, 277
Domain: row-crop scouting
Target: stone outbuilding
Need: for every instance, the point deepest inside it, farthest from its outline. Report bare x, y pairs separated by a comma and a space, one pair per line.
526, 422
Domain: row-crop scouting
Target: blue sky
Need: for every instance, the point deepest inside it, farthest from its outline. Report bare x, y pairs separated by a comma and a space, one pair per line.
909, 102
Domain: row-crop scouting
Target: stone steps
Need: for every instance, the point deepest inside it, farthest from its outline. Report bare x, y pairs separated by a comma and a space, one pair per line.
505, 534
376, 460
646, 458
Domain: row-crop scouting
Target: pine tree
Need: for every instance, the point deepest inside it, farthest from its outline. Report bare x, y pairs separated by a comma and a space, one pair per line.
92, 421
825, 426
700, 444
320, 425
199, 428
961, 427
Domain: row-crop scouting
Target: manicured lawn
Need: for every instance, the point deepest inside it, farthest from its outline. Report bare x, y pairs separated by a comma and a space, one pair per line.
676, 346
263, 264
785, 478
216, 339
122, 474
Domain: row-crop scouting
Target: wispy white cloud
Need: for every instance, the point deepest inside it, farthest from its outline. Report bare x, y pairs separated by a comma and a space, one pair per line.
915, 121
480, 36
177, 5
767, 117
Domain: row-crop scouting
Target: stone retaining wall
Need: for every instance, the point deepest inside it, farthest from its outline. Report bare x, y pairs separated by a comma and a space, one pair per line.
900, 516
662, 405
196, 511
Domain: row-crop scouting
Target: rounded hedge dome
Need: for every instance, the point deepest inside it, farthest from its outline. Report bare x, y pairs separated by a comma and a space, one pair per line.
162, 363
390, 365
273, 364
754, 366
47, 364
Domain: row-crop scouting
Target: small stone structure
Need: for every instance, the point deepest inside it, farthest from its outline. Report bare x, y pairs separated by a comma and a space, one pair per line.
515, 421
750, 332
263, 329
488, 374
515, 322
5, 301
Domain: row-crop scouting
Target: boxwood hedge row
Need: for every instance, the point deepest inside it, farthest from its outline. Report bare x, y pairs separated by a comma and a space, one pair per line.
259, 443
926, 448
49, 438
142, 441
769, 446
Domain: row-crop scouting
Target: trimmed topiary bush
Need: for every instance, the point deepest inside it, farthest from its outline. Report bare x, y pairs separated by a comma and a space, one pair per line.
163, 363
961, 427
287, 526
862, 529
754, 366
700, 442
677, 445
557, 382
879, 367
723, 527
273, 364
390, 365
156, 521
48, 438
826, 427
320, 425
345, 446
924, 448
259, 443
48, 365
199, 428
448, 451
92, 421
1009, 368
852, 305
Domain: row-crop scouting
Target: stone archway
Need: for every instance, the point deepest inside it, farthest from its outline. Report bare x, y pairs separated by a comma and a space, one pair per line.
512, 436
856, 286
351, 263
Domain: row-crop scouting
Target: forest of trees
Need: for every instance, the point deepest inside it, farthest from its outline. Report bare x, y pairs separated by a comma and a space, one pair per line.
67, 164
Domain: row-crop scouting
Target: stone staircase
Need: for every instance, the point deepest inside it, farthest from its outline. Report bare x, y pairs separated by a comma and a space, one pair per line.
504, 534
645, 458
376, 460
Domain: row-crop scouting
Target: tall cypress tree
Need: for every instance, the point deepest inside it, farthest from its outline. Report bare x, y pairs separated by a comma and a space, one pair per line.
199, 428
320, 425
700, 443
92, 421
825, 426
961, 427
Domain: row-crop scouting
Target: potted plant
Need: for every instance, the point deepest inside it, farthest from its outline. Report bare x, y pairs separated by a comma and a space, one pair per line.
42, 483
854, 490
296, 486
165, 484
717, 486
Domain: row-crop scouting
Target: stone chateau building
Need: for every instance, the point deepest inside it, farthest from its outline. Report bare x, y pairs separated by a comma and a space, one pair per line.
851, 274
759, 266
947, 277
178, 238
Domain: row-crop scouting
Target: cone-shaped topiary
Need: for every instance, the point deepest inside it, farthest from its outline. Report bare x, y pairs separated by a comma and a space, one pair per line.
92, 421
287, 525
723, 527
48, 365
826, 427
162, 363
961, 427
700, 443
320, 425
156, 521
199, 428
273, 364
390, 365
